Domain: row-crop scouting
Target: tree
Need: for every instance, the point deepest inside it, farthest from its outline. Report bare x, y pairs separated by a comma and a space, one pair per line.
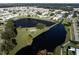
66, 15
40, 26
67, 8
51, 14
10, 41
39, 13
28, 15
67, 23
14, 12
9, 37
74, 15
67, 49
75, 42
6, 46
9, 24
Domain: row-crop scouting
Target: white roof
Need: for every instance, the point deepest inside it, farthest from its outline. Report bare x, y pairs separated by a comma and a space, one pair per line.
72, 49
77, 51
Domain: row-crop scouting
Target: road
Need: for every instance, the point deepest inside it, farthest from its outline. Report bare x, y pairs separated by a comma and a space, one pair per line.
76, 35
61, 51
75, 31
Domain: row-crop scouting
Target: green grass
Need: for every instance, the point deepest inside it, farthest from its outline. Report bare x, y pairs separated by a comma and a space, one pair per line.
57, 51
1, 29
68, 34
26, 17
68, 37
23, 39
21, 17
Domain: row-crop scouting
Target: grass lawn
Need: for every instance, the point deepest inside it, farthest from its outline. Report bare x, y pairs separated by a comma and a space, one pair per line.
23, 38
1, 29
26, 17
68, 36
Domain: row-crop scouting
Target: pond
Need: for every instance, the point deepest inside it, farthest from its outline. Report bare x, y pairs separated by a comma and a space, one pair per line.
48, 40
30, 22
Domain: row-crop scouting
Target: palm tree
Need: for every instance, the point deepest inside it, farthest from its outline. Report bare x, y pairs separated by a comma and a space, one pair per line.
67, 49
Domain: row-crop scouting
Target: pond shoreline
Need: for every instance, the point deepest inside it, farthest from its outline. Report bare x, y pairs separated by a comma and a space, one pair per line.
31, 22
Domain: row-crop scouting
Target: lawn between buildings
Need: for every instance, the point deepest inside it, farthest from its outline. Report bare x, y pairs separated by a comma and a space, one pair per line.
25, 37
